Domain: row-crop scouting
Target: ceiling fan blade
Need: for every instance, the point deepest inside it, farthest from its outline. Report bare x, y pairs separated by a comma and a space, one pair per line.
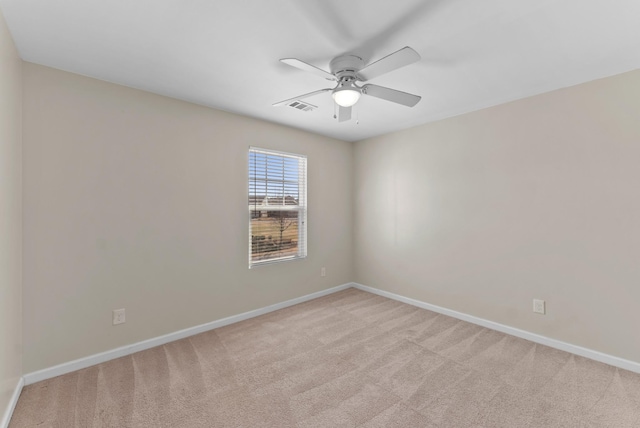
301, 97
398, 59
344, 114
308, 67
392, 95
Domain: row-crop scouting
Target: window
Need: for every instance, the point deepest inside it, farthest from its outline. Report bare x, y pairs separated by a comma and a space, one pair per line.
277, 206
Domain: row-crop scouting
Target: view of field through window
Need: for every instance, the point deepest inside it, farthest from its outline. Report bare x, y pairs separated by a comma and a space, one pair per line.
276, 204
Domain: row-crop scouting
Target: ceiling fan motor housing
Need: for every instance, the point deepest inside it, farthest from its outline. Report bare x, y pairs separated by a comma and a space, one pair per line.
346, 66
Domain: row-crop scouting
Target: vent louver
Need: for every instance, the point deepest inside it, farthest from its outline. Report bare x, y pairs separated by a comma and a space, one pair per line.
299, 105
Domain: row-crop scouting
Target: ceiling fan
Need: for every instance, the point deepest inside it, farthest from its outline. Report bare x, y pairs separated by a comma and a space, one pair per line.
347, 70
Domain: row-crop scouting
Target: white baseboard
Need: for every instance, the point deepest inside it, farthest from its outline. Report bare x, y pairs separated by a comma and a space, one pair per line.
6, 418
92, 360
543, 340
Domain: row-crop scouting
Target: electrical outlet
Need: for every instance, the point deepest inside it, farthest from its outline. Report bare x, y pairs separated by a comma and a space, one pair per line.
323, 271
118, 316
539, 306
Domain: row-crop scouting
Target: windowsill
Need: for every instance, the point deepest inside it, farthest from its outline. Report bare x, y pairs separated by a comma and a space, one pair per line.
275, 261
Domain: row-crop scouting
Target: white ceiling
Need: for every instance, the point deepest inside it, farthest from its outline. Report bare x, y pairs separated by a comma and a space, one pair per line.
224, 53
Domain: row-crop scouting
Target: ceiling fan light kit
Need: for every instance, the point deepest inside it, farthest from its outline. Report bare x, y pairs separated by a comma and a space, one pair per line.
346, 96
347, 70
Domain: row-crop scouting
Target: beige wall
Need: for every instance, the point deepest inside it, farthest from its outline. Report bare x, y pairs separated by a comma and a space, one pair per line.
138, 201
10, 217
132, 200
538, 198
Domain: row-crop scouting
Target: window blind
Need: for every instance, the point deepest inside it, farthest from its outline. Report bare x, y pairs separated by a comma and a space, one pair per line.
277, 206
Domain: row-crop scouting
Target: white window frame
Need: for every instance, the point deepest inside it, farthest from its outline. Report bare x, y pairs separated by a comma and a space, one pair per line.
301, 207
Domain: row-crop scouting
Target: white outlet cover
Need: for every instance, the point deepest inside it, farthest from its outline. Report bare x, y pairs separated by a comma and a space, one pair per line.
118, 316
539, 306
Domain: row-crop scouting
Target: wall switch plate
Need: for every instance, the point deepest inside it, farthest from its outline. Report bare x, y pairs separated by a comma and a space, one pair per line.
118, 316
323, 271
539, 306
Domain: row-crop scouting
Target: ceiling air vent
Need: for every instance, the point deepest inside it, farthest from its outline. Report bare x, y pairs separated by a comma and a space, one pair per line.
299, 105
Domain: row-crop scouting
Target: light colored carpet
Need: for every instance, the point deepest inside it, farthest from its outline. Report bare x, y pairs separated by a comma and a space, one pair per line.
350, 359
